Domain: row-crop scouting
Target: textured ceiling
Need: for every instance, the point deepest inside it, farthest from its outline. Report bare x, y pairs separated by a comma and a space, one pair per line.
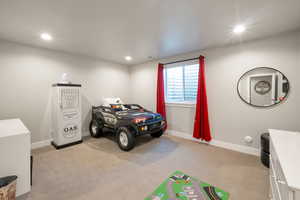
113, 29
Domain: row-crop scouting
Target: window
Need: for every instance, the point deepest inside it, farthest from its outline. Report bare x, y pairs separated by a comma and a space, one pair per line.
181, 82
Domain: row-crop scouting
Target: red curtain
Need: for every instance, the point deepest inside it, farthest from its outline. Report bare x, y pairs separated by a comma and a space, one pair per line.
201, 124
160, 96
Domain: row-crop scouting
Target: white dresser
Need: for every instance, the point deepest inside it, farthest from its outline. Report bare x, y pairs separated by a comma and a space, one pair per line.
15, 153
284, 165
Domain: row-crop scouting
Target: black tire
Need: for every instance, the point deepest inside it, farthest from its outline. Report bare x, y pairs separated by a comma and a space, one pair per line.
128, 141
96, 128
157, 134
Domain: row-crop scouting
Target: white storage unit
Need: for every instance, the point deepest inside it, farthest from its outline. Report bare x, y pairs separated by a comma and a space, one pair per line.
284, 165
66, 115
15, 153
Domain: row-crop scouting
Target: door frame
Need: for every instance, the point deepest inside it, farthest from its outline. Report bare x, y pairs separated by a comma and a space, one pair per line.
273, 75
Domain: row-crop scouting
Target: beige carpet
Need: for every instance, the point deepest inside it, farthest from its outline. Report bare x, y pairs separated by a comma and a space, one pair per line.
98, 170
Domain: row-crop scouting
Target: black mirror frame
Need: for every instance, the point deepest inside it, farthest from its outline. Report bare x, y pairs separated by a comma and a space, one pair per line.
288, 89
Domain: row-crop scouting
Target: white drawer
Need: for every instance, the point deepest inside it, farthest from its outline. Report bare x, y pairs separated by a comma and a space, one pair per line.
284, 147
277, 173
274, 189
274, 159
283, 189
272, 170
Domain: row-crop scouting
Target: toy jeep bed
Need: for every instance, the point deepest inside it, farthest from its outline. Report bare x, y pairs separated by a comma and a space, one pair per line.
126, 120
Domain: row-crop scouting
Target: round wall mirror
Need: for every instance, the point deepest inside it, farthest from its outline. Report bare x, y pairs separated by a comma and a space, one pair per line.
263, 87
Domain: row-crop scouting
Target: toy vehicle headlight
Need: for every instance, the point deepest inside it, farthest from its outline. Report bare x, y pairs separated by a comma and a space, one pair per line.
139, 120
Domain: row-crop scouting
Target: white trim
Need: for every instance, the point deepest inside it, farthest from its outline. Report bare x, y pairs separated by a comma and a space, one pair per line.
218, 143
262, 75
182, 63
45, 143
236, 147
181, 104
40, 144
181, 135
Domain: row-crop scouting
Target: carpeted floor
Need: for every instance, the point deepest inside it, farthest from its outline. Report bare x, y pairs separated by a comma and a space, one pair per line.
98, 170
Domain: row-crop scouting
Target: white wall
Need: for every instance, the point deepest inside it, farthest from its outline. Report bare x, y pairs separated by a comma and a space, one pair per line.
231, 119
26, 76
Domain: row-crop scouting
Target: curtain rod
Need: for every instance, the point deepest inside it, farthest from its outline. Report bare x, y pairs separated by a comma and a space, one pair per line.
178, 61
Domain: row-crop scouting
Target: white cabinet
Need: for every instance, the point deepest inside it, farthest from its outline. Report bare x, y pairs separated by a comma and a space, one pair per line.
15, 153
66, 115
284, 165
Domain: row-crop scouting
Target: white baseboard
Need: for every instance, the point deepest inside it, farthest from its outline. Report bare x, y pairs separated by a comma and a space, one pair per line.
40, 144
44, 143
236, 147
218, 143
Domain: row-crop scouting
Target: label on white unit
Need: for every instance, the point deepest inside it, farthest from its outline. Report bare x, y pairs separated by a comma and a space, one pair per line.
70, 131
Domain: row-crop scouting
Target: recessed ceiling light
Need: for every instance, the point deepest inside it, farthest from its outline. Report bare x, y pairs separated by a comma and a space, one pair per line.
128, 58
239, 29
46, 36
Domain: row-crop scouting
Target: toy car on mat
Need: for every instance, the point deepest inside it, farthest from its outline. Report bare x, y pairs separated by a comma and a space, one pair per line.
127, 121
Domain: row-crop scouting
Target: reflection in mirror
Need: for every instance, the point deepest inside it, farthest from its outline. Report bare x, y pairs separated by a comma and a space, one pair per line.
263, 87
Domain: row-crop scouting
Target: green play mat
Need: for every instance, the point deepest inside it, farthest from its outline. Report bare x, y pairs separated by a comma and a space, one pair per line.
180, 186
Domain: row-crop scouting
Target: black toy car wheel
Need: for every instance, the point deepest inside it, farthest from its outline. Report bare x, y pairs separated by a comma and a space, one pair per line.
157, 134
96, 129
125, 138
